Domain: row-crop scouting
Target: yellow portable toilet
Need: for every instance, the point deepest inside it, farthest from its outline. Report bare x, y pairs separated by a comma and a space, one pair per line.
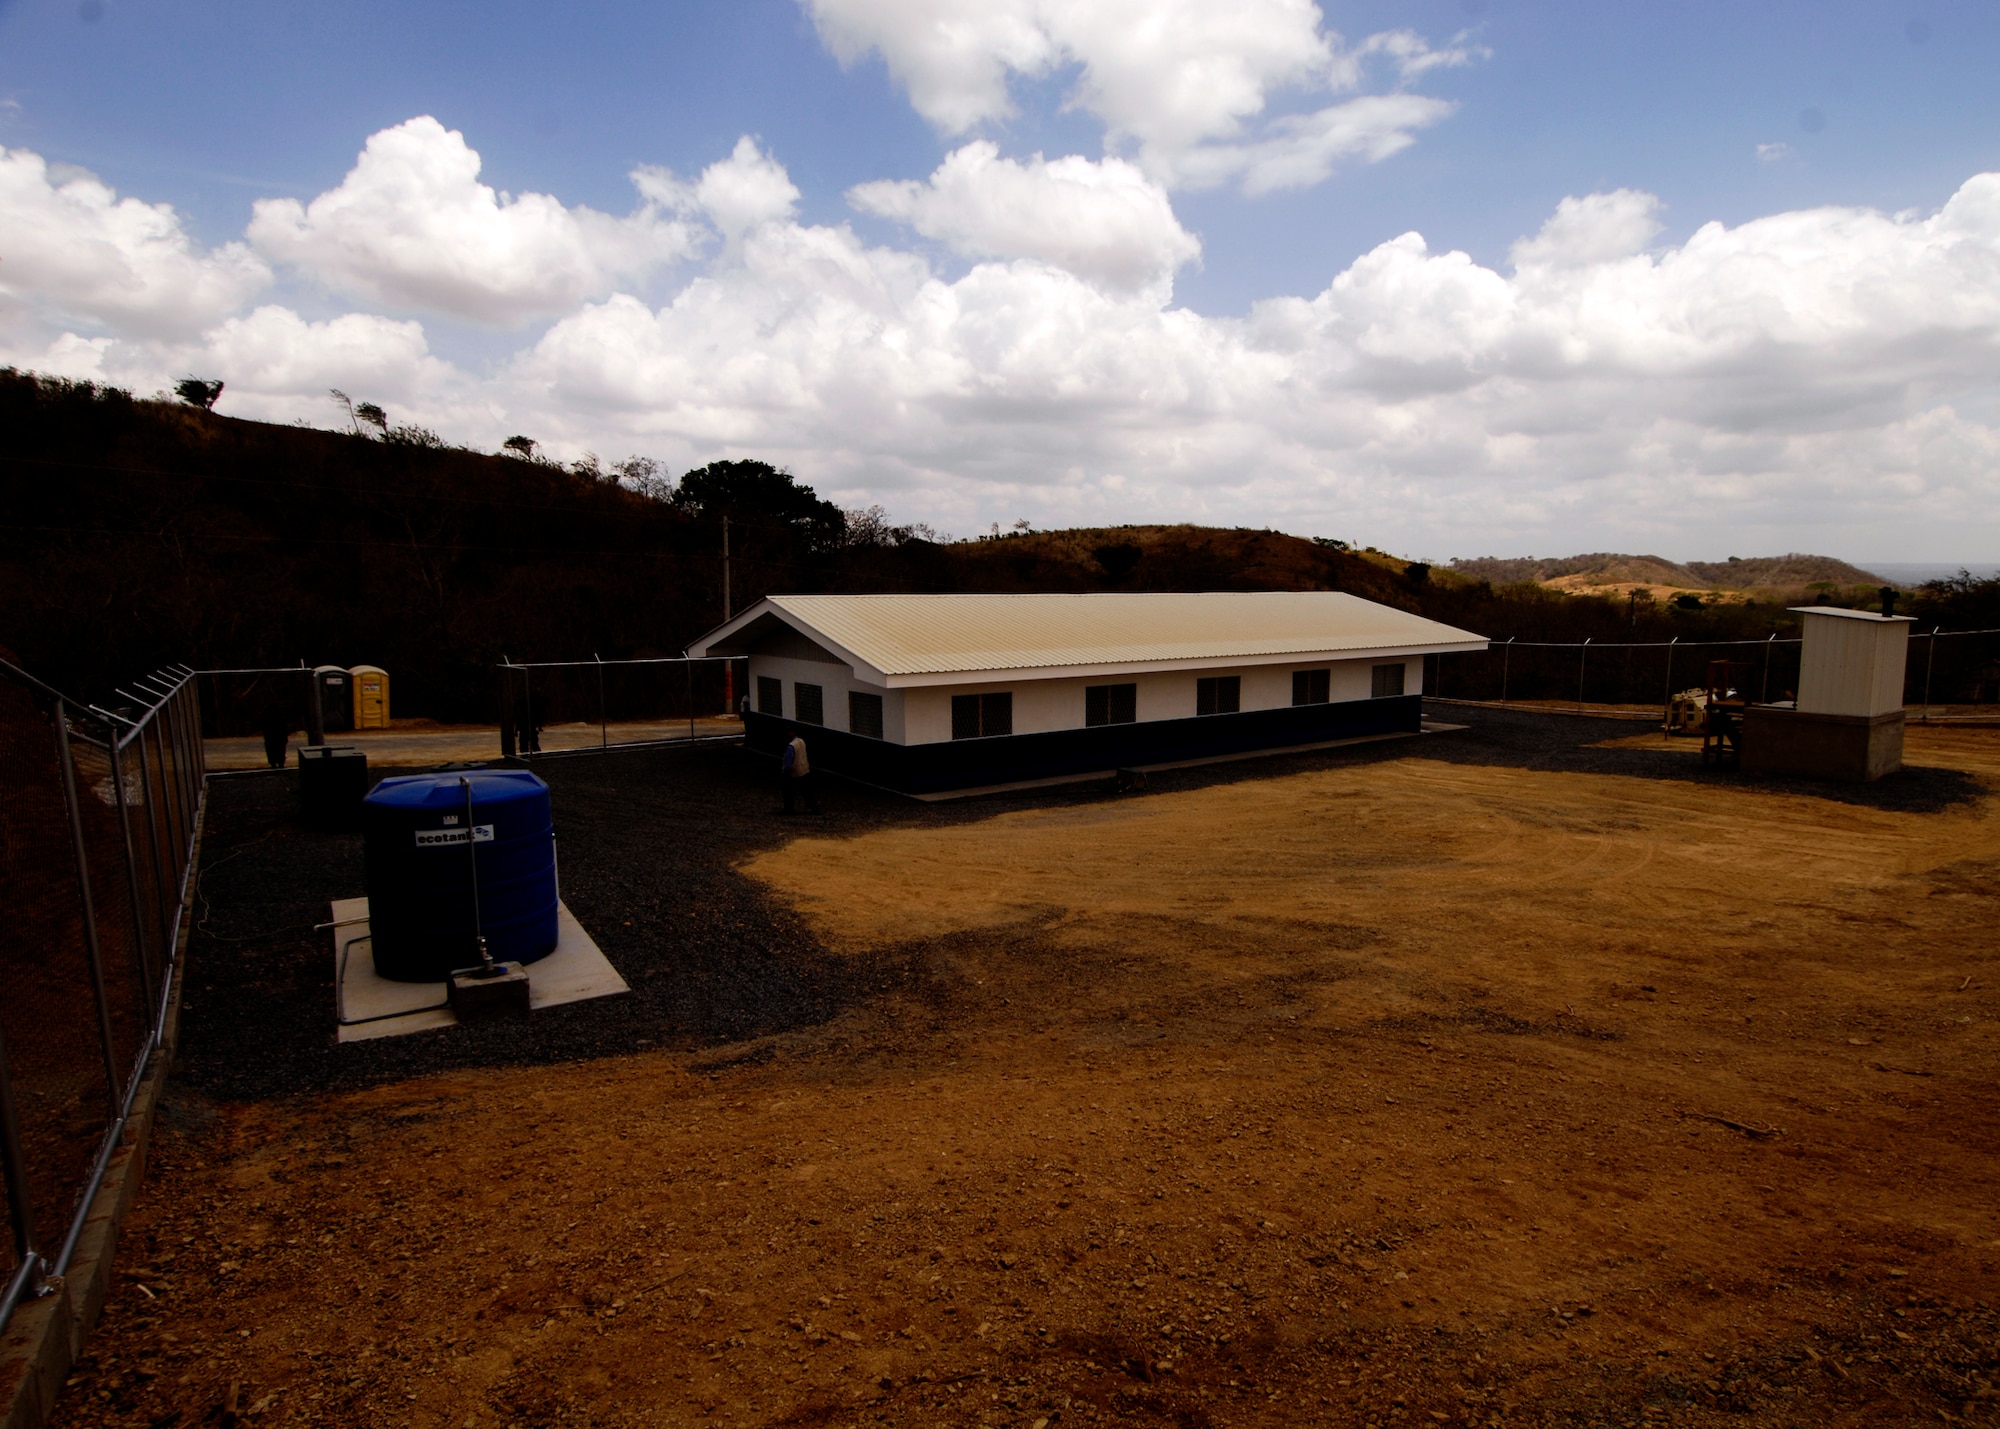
371, 697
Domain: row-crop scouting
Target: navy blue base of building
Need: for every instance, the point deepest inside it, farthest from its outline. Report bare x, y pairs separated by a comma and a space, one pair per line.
1012, 759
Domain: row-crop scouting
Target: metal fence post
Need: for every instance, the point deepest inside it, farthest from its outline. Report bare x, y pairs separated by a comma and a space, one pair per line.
170, 804
603, 727
1667, 708
90, 943
1930, 663
153, 840
167, 739
131, 863
315, 712
187, 712
1582, 667
507, 748
1506, 654
20, 1209
1764, 693
200, 771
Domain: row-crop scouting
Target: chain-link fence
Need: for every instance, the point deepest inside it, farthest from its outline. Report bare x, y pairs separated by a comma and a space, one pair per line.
556, 707
1949, 675
238, 703
97, 829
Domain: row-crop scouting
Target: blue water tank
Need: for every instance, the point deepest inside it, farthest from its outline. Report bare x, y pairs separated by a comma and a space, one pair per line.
425, 851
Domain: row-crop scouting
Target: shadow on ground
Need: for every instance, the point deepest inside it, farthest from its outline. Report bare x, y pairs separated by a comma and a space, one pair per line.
649, 843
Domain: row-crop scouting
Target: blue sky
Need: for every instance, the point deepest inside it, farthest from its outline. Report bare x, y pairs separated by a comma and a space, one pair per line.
1732, 114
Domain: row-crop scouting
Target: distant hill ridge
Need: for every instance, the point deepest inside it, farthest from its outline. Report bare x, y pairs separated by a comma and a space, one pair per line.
1609, 568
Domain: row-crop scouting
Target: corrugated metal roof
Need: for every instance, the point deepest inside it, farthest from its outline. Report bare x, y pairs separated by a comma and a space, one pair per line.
1845, 614
952, 634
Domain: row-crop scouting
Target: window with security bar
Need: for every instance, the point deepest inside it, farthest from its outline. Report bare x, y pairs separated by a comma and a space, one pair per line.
1221, 694
982, 716
807, 704
864, 714
1110, 704
1386, 680
1312, 687
770, 696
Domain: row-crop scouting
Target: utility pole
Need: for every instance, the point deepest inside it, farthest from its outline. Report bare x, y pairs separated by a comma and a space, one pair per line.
727, 609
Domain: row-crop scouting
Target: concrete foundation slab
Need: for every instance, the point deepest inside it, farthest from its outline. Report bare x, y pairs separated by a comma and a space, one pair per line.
1801, 744
577, 970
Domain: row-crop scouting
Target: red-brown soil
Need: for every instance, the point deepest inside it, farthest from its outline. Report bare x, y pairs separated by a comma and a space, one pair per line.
1406, 1092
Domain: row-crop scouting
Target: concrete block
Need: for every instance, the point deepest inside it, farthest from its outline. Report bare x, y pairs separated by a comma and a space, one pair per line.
502, 994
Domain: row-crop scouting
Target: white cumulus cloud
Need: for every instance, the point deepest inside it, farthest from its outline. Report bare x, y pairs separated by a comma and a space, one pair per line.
411, 226
278, 366
71, 249
746, 189
1824, 377
1103, 221
1184, 82
1828, 368
1596, 228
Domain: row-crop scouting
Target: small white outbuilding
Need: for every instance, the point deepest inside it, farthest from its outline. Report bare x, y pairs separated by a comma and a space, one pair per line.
926, 693
1847, 722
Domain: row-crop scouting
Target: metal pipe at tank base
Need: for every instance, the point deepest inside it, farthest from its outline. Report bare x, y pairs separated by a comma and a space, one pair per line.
486, 967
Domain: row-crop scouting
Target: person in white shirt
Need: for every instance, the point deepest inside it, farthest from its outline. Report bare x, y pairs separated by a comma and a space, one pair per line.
795, 771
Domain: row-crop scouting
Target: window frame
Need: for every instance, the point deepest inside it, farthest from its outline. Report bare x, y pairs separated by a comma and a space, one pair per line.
1312, 687
1104, 704
1376, 680
771, 685
858, 701
989, 715
808, 711
1218, 695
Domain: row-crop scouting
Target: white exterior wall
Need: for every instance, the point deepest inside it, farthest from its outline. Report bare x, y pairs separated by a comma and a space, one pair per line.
834, 681
1044, 705
1852, 667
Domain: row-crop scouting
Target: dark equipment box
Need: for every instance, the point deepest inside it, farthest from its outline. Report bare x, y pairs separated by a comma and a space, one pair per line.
333, 780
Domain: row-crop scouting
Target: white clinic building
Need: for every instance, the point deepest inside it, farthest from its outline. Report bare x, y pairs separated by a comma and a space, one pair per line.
927, 693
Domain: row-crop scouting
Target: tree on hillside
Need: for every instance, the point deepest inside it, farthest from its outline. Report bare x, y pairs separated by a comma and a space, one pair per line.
1118, 560
199, 392
871, 526
521, 446
643, 475
373, 415
757, 494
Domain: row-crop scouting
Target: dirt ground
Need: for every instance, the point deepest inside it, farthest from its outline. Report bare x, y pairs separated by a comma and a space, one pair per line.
1389, 1090
420, 744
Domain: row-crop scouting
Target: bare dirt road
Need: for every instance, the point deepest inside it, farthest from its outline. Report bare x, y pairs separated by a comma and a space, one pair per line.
420, 744
1405, 1088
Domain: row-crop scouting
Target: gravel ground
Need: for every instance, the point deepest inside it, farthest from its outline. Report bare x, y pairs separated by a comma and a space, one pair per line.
649, 842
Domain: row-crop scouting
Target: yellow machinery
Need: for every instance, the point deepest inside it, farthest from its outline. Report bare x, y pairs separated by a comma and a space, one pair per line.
371, 697
1687, 712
